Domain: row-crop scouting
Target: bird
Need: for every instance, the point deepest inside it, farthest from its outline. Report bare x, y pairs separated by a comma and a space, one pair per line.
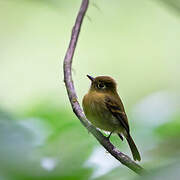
104, 109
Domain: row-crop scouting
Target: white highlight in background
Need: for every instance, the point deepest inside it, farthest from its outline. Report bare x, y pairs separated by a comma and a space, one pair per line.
48, 163
101, 161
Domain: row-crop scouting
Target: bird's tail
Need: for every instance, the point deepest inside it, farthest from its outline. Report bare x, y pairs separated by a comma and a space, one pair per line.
134, 150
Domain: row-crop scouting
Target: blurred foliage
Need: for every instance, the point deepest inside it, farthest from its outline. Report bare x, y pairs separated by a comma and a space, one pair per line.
23, 150
169, 133
172, 5
56, 117
170, 129
171, 171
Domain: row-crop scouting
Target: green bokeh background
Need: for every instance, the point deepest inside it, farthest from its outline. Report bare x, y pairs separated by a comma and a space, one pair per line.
136, 42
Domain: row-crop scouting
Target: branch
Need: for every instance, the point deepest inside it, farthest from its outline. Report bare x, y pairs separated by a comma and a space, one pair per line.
124, 159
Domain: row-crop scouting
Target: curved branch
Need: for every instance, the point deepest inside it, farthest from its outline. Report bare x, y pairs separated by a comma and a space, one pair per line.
124, 159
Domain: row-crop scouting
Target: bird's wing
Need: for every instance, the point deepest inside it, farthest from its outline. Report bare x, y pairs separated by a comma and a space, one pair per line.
117, 110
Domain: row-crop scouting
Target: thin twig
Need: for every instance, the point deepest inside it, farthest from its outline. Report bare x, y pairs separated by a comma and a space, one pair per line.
124, 159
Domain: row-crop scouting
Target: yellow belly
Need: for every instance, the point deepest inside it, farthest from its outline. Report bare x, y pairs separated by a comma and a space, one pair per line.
100, 117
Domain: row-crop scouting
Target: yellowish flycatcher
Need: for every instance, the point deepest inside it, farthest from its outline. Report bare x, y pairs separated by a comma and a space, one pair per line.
104, 109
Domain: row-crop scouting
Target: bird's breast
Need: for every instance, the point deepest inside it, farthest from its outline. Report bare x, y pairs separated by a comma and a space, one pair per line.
98, 114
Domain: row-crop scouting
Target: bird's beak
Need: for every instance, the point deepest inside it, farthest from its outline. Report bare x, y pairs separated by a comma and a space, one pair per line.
91, 78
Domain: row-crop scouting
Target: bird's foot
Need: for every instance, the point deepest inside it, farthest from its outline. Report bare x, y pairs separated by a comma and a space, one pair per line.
121, 137
108, 137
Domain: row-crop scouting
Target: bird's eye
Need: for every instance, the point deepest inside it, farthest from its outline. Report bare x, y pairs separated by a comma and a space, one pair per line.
101, 86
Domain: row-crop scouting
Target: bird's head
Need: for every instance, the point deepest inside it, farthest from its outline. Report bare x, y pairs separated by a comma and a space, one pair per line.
102, 84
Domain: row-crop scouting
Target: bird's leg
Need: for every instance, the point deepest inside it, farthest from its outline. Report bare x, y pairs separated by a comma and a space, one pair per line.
120, 136
108, 137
